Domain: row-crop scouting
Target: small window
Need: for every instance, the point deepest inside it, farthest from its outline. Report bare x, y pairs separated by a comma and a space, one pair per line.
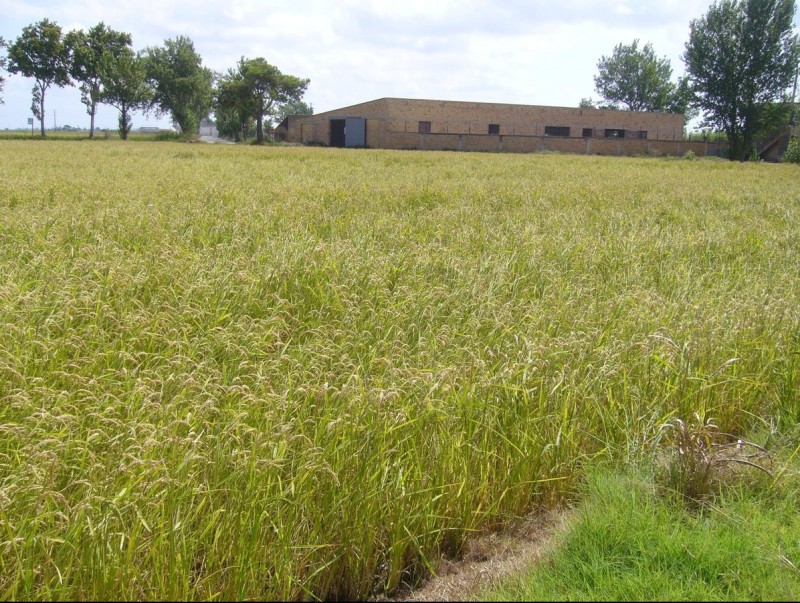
494, 128
588, 132
556, 131
424, 127
640, 134
614, 133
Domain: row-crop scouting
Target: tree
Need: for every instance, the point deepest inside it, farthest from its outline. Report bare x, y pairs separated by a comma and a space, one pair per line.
233, 107
639, 81
3, 66
87, 50
123, 84
588, 103
266, 88
40, 53
294, 107
181, 85
741, 56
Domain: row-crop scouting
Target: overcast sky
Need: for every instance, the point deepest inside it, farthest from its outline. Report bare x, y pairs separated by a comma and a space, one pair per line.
538, 52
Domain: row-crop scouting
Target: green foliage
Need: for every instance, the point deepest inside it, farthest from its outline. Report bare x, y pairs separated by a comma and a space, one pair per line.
792, 153
255, 90
3, 66
40, 53
690, 155
293, 107
181, 86
233, 106
87, 52
741, 57
265, 89
122, 78
639, 81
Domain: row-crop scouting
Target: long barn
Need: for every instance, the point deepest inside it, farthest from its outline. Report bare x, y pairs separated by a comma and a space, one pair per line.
402, 123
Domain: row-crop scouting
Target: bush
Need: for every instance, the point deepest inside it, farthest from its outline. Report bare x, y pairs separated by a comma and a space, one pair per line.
167, 136
690, 155
792, 153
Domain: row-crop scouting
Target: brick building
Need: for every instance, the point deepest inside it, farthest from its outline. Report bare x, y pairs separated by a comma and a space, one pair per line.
400, 123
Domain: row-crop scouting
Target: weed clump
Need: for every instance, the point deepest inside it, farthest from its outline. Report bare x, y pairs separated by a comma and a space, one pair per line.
703, 457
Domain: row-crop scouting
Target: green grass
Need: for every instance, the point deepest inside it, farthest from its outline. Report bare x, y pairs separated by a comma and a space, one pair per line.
629, 541
277, 373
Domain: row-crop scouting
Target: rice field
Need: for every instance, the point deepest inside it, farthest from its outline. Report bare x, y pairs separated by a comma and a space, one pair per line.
233, 372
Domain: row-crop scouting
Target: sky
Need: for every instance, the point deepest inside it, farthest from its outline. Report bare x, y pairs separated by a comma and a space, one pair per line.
537, 52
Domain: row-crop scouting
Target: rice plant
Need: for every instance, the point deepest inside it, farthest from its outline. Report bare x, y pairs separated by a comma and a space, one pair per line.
304, 373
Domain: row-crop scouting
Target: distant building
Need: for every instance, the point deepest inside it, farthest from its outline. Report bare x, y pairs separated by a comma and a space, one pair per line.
400, 123
208, 128
153, 130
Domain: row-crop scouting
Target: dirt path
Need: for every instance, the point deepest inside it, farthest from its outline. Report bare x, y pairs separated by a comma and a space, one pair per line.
489, 559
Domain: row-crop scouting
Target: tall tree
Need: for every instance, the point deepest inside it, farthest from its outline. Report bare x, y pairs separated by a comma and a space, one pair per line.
3, 66
40, 53
233, 106
182, 86
267, 88
741, 56
637, 80
123, 85
87, 50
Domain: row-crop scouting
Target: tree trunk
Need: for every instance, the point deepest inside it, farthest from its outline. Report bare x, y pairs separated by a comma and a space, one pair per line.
41, 112
123, 122
735, 152
91, 122
747, 145
260, 121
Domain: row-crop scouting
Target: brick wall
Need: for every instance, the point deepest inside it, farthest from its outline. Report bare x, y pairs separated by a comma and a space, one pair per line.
394, 123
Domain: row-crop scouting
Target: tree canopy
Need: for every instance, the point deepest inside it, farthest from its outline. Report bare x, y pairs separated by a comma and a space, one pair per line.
181, 85
741, 57
3, 66
122, 77
233, 106
637, 80
256, 89
40, 53
268, 88
294, 107
87, 51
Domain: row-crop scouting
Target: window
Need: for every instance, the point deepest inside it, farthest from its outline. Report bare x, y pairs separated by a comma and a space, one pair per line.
494, 128
588, 132
615, 133
556, 130
640, 134
424, 127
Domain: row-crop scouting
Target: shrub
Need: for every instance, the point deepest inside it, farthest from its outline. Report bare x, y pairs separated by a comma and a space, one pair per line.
792, 153
690, 155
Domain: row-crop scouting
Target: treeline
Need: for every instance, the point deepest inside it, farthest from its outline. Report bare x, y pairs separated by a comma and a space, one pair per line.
166, 80
741, 58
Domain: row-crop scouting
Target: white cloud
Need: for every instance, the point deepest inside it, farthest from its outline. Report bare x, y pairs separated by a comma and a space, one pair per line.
517, 51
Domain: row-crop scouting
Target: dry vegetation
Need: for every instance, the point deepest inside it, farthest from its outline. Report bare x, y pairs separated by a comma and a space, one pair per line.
249, 373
